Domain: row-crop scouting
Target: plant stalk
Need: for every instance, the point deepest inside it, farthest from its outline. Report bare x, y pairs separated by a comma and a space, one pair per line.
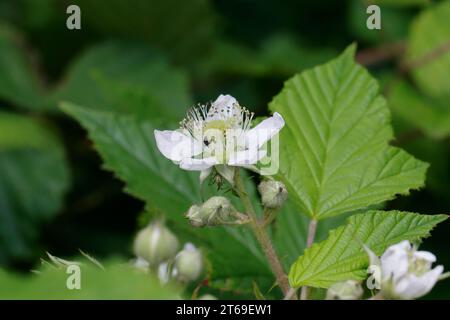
309, 241
261, 234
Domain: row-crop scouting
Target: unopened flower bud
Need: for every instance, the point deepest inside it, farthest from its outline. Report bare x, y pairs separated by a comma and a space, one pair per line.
347, 290
207, 297
195, 216
273, 193
188, 264
155, 244
214, 211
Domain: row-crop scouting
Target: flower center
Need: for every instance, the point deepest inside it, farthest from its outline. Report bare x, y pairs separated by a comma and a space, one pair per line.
211, 124
417, 265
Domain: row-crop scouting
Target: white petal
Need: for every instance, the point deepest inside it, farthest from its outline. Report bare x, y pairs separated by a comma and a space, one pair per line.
175, 146
197, 164
394, 261
401, 246
413, 287
263, 132
373, 258
223, 108
190, 247
225, 101
246, 157
425, 255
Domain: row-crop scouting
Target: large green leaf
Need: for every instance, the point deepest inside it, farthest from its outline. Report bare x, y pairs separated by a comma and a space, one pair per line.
116, 281
429, 47
341, 256
33, 164
18, 83
126, 77
128, 147
334, 152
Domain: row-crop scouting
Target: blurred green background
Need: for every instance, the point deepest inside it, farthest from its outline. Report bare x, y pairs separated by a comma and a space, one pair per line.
162, 56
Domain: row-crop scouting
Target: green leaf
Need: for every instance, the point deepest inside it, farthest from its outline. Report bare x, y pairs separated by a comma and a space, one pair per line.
128, 78
117, 281
432, 115
279, 55
334, 152
33, 163
429, 43
18, 83
341, 256
128, 148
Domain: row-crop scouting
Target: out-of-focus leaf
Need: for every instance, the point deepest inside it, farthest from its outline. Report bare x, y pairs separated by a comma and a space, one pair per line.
128, 148
279, 55
435, 152
341, 256
117, 281
283, 56
183, 28
18, 83
394, 22
34, 178
398, 3
126, 77
429, 50
334, 151
432, 115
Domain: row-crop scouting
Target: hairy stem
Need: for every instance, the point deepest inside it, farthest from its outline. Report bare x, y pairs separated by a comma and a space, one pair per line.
309, 241
261, 234
269, 216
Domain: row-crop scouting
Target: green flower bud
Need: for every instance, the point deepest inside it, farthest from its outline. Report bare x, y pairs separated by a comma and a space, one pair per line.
273, 193
207, 297
155, 244
188, 264
214, 211
347, 290
195, 216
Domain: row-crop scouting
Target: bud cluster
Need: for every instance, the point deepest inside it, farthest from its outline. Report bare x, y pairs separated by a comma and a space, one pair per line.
156, 248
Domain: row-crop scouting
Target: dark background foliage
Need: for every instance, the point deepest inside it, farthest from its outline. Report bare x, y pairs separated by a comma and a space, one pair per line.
170, 54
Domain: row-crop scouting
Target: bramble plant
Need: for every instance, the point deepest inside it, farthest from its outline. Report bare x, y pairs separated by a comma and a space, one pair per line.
324, 154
